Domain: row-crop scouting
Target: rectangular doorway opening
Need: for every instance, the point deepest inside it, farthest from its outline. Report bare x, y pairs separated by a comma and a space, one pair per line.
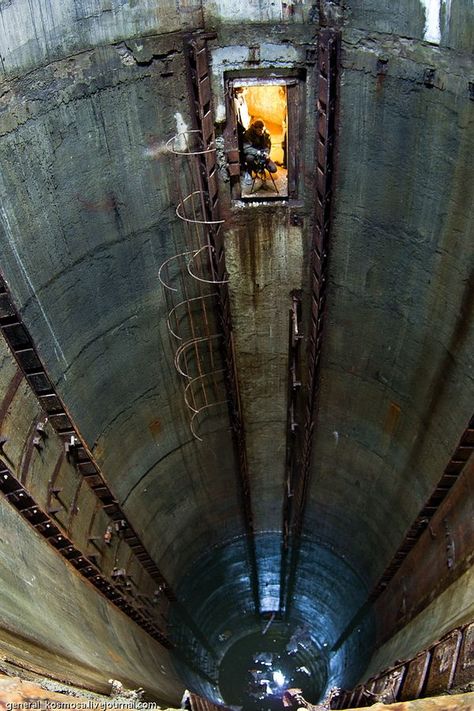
260, 111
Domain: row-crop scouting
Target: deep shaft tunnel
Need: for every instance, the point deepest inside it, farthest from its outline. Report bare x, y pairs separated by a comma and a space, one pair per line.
235, 422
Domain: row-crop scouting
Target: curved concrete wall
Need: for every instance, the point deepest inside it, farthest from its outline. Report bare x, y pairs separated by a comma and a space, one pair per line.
90, 94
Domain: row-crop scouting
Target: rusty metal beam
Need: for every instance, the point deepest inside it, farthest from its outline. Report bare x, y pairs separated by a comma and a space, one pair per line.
327, 79
25, 353
292, 428
113, 589
444, 552
199, 703
447, 664
16, 495
198, 71
450, 476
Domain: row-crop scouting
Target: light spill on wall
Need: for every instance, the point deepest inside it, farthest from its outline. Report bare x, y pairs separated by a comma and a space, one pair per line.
432, 31
181, 128
433, 11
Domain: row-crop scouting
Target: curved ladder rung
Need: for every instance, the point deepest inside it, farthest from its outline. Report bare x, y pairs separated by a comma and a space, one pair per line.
185, 301
195, 276
175, 256
198, 377
184, 346
191, 422
176, 152
195, 222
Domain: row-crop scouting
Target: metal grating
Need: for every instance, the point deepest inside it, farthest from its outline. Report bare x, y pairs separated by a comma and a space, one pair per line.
450, 476
24, 351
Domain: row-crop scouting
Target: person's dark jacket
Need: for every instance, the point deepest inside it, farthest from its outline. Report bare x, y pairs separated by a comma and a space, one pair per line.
253, 143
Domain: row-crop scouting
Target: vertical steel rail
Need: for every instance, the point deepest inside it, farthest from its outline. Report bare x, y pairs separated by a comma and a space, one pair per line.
327, 69
198, 72
292, 430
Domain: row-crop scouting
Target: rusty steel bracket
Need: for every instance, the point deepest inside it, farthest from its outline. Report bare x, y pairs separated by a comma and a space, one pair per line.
327, 83
450, 548
197, 61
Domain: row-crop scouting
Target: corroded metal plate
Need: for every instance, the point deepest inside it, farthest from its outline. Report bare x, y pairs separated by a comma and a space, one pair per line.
389, 684
465, 666
415, 676
443, 664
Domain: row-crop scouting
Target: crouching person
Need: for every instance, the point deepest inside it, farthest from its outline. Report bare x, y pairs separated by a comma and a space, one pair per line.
257, 145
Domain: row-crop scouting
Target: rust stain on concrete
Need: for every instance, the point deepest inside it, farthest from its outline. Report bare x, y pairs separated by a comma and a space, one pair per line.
155, 427
391, 420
